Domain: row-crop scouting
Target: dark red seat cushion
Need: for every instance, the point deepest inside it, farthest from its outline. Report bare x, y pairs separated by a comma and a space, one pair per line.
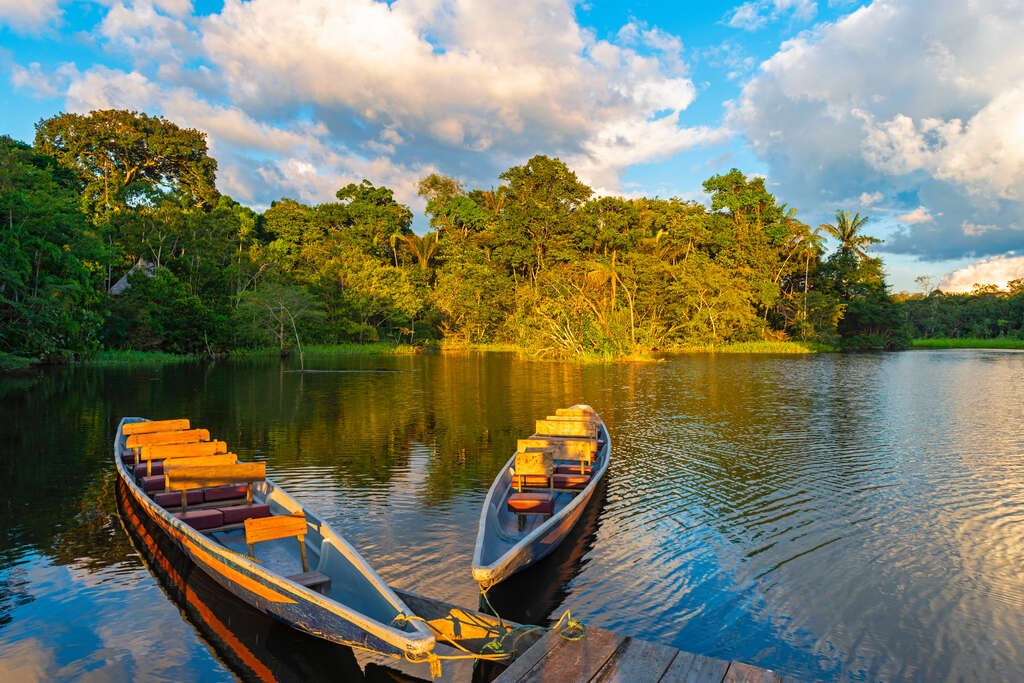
225, 493
153, 483
172, 499
158, 468
239, 513
571, 468
201, 519
128, 458
571, 481
537, 503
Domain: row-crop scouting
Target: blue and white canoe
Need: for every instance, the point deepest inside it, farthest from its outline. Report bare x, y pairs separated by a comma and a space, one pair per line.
258, 542
540, 494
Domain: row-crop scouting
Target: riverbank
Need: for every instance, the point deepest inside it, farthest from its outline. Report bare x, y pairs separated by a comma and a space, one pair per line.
968, 343
10, 362
763, 347
103, 358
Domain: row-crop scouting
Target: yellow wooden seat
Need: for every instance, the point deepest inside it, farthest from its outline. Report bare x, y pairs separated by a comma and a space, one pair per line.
187, 478
157, 438
181, 450
154, 426
285, 526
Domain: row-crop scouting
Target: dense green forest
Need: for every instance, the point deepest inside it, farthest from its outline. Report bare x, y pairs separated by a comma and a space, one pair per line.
985, 313
536, 261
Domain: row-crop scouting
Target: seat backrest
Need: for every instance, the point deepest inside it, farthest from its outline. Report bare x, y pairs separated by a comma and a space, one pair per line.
177, 436
271, 528
533, 462
186, 478
193, 461
182, 450
154, 426
576, 411
567, 427
563, 449
278, 526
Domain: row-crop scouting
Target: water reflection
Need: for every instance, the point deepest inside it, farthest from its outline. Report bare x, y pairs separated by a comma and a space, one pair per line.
254, 646
830, 517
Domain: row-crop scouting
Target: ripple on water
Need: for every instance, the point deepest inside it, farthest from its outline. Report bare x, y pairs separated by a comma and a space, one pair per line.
837, 516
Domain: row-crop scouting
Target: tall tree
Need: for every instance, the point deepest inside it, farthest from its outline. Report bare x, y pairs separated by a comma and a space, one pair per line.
50, 258
541, 199
124, 158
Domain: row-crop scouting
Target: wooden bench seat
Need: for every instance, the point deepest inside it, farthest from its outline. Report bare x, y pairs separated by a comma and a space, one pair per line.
312, 579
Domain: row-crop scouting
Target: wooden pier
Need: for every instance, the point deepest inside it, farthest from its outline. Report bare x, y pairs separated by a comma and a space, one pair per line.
600, 657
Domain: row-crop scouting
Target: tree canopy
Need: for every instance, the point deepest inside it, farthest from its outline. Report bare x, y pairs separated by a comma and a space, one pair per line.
536, 260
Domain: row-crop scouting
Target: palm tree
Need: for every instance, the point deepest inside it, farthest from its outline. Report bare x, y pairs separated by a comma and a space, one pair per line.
811, 247
847, 231
423, 248
393, 240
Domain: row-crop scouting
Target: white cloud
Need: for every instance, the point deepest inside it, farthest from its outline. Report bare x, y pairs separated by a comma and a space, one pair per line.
42, 83
753, 15
996, 271
918, 215
311, 94
29, 16
870, 198
919, 100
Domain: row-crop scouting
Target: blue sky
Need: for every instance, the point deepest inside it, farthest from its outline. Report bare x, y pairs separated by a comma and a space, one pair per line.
909, 111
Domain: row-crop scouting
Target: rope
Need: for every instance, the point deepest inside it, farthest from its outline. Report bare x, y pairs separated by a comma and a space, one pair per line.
494, 650
434, 659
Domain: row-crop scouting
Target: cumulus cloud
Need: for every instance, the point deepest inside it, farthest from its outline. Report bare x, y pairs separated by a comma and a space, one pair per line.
994, 271
918, 99
259, 161
918, 215
32, 16
468, 88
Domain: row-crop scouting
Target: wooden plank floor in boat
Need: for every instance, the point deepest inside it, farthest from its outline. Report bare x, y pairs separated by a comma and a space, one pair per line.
603, 657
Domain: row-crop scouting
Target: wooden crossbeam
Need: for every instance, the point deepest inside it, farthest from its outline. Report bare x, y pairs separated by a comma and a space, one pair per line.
155, 438
154, 426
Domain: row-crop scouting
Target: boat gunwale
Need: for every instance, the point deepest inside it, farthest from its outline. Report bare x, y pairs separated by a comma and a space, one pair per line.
582, 498
399, 639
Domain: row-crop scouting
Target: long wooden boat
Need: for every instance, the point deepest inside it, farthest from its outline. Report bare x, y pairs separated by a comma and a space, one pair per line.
540, 494
256, 541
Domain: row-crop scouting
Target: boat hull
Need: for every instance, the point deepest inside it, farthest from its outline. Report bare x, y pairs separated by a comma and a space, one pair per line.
270, 593
539, 543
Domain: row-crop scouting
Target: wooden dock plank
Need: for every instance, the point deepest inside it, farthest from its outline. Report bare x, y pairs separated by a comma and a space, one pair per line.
692, 668
745, 673
522, 665
570, 661
636, 660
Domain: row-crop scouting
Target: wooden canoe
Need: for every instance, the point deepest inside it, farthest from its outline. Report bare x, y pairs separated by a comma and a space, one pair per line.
336, 596
508, 541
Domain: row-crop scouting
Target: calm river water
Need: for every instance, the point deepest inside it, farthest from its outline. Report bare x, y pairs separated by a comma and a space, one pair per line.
831, 516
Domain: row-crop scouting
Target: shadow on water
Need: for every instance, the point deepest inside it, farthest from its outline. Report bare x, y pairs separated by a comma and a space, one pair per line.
253, 645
